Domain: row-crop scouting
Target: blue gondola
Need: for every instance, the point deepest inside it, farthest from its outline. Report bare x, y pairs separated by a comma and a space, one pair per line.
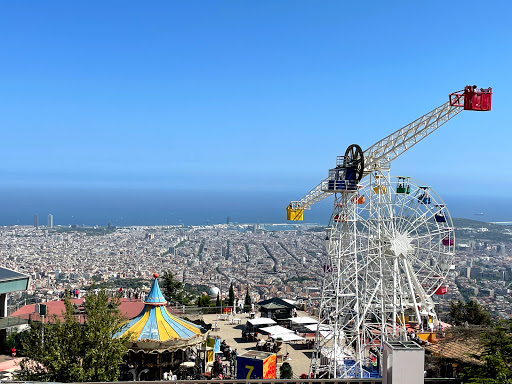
424, 198
440, 218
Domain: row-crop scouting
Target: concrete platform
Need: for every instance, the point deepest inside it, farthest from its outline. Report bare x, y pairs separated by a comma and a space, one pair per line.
299, 358
8, 366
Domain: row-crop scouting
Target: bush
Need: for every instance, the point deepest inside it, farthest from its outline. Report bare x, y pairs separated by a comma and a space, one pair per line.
471, 312
68, 351
286, 371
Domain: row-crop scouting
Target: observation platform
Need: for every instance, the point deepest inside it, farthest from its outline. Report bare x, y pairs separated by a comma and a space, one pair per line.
10, 281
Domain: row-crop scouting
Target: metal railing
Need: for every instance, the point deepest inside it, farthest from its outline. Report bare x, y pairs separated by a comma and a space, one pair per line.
194, 310
6, 322
279, 381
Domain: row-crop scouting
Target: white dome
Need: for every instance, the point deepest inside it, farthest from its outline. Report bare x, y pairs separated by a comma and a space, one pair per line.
213, 292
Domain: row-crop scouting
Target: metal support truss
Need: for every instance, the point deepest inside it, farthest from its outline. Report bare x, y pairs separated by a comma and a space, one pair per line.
380, 154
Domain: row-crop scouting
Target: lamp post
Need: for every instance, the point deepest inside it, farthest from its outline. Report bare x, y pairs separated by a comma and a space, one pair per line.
220, 297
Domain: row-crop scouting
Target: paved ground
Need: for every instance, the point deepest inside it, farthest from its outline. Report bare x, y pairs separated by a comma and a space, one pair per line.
7, 366
232, 333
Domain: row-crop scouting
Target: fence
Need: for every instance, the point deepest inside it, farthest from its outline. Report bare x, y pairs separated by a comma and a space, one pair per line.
293, 381
194, 310
6, 322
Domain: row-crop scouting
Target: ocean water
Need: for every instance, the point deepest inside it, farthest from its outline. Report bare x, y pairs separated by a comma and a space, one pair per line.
482, 208
124, 207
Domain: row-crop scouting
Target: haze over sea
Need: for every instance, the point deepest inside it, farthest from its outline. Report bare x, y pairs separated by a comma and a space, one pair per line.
125, 207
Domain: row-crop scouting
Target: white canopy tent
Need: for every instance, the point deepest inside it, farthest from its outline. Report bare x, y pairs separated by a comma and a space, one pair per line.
288, 337
276, 330
303, 320
314, 327
325, 330
253, 325
260, 321
327, 334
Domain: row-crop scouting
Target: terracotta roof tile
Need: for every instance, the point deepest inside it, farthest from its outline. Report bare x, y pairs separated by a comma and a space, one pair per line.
458, 349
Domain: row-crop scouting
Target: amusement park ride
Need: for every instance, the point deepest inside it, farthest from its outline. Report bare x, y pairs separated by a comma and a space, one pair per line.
390, 245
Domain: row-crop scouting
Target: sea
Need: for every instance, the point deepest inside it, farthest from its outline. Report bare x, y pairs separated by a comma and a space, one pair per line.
141, 207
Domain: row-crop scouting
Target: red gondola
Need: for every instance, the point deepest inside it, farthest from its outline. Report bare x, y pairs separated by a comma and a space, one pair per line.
448, 241
340, 218
442, 290
472, 99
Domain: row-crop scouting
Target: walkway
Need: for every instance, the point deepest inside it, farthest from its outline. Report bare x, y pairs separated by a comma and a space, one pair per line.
7, 366
232, 333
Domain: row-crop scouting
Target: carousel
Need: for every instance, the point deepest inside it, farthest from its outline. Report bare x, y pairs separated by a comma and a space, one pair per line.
160, 342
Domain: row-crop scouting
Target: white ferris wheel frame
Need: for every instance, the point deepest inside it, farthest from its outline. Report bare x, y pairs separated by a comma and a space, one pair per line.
386, 257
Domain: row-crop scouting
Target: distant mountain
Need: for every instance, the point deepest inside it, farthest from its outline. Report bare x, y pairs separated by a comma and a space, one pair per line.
468, 223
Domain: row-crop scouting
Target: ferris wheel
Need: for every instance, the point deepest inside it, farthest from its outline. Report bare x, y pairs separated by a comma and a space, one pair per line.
402, 219
389, 244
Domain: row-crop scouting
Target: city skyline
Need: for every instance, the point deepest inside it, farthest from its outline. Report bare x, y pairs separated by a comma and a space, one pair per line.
244, 97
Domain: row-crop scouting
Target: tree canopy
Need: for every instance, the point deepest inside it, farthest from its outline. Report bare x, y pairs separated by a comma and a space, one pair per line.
67, 351
231, 298
204, 301
496, 358
286, 371
171, 288
472, 312
247, 301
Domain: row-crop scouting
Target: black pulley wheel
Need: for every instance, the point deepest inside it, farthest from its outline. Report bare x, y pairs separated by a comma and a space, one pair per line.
354, 159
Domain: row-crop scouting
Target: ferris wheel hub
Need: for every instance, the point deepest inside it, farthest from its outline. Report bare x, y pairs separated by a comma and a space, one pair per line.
400, 245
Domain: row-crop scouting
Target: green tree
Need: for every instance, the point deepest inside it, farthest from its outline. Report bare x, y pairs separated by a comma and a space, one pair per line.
67, 351
456, 311
286, 371
172, 289
496, 358
231, 298
217, 303
247, 301
204, 301
10, 341
472, 312
476, 314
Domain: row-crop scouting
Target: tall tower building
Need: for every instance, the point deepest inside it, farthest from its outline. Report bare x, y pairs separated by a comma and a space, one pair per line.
36, 224
50, 221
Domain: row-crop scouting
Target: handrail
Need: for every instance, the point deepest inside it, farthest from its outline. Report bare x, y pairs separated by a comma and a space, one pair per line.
11, 321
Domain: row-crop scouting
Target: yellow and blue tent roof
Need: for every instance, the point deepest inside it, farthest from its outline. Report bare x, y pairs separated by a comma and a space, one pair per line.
155, 295
156, 323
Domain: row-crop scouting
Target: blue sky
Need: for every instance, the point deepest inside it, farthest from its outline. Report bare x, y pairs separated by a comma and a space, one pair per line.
246, 95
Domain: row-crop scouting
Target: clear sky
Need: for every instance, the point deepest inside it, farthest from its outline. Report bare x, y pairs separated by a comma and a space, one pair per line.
247, 95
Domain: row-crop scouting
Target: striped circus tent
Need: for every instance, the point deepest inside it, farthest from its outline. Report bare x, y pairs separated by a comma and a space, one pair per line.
156, 328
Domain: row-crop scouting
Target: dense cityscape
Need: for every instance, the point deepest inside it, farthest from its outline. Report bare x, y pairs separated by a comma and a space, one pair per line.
267, 260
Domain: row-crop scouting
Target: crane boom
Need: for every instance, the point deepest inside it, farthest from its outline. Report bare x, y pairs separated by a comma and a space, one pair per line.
380, 154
